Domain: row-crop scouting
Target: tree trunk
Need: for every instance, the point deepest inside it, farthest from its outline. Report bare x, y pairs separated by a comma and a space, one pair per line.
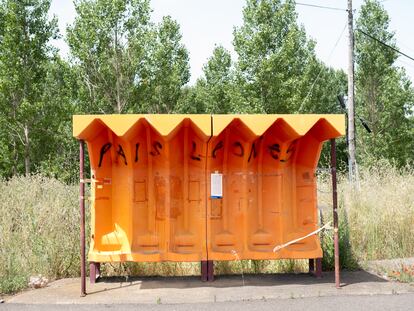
15, 156
14, 143
26, 150
118, 82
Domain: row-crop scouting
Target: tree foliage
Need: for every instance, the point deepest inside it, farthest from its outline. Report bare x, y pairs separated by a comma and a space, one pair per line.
214, 90
122, 62
276, 61
167, 71
385, 95
109, 42
25, 59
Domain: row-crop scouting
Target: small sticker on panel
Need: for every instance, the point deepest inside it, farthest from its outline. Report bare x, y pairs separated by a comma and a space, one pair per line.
216, 186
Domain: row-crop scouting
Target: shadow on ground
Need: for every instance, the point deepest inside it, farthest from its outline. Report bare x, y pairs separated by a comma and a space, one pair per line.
224, 281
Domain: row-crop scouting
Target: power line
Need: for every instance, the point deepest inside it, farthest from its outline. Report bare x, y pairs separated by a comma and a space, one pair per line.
385, 44
321, 6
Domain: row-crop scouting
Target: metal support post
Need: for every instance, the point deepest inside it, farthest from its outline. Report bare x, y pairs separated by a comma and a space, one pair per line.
82, 216
210, 269
204, 271
335, 212
311, 265
94, 271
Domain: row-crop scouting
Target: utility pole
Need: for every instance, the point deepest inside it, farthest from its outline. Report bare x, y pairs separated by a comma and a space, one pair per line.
351, 106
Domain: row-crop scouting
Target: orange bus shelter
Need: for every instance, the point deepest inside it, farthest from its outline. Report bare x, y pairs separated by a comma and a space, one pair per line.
203, 187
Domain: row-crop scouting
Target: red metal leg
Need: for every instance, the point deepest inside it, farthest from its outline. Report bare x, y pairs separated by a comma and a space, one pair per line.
318, 272
335, 213
82, 217
204, 271
311, 265
210, 270
94, 271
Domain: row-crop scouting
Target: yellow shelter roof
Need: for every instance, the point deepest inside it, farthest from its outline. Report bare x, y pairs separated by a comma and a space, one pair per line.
209, 125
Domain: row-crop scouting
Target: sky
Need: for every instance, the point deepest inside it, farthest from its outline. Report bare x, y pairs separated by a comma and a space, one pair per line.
207, 23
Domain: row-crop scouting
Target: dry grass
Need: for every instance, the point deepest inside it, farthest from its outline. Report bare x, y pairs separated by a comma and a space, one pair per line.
39, 229
381, 214
376, 218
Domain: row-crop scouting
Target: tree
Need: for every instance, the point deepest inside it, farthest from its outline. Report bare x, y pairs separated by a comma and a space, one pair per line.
217, 90
213, 90
25, 53
319, 88
109, 41
58, 151
277, 70
167, 72
274, 53
385, 97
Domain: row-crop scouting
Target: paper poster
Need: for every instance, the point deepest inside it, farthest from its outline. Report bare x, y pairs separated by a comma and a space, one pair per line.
216, 186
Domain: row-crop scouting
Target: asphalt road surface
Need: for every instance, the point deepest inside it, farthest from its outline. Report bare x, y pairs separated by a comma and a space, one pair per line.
334, 303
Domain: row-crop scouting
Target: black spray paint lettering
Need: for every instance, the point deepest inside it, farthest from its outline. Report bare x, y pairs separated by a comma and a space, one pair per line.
252, 152
217, 147
104, 149
121, 153
136, 152
193, 156
274, 151
156, 146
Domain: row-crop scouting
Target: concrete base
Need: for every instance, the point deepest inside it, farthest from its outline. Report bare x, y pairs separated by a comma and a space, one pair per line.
225, 288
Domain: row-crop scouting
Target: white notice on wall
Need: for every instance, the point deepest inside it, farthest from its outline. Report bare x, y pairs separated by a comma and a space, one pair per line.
216, 185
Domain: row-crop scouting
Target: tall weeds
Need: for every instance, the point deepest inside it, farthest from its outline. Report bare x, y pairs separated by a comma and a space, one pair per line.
376, 215
39, 228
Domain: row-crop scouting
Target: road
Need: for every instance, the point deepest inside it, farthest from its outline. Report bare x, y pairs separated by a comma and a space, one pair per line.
336, 303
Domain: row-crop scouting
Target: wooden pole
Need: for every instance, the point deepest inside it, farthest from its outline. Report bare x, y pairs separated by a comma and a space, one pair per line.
351, 105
